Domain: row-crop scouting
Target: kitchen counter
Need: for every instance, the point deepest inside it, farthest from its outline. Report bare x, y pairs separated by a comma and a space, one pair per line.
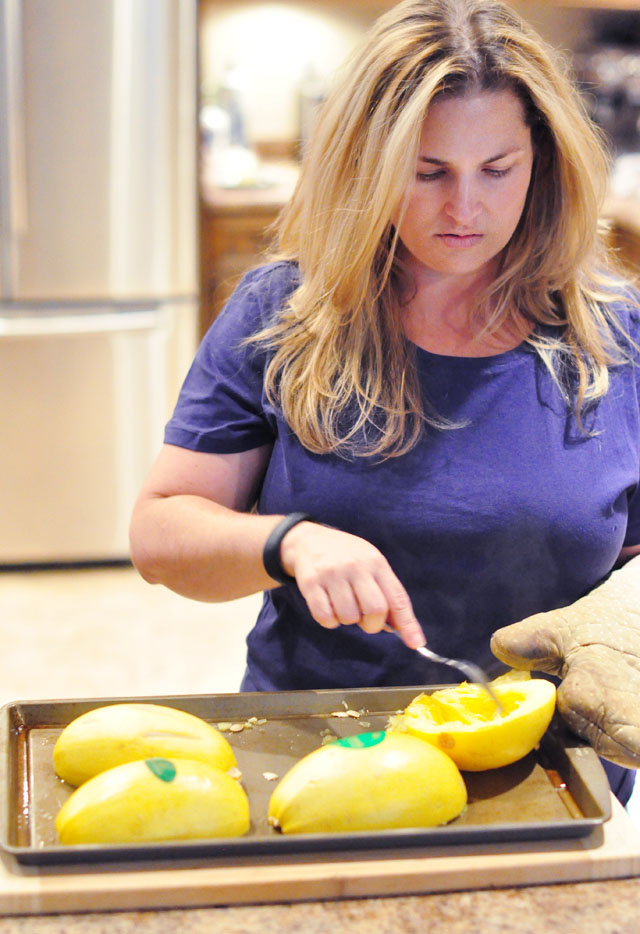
589, 908
111, 660
492, 883
272, 190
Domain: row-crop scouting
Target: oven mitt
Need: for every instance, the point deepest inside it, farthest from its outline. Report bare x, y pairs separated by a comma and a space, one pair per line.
593, 645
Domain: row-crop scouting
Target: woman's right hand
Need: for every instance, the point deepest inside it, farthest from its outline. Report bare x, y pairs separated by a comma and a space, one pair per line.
191, 531
345, 581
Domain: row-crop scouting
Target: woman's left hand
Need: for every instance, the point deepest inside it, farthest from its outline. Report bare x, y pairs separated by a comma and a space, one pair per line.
594, 646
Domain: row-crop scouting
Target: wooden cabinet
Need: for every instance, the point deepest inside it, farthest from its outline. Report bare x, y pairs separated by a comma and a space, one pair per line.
235, 233
623, 219
626, 242
231, 242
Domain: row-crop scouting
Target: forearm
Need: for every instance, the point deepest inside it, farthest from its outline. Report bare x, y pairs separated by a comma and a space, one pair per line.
192, 531
207, 551
199, 548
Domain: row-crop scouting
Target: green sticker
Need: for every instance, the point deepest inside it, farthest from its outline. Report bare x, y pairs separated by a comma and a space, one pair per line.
362, 741
162, 769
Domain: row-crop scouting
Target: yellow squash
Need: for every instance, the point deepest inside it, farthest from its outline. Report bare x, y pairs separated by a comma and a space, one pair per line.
153, 800
465, 723
373, 781
108, 736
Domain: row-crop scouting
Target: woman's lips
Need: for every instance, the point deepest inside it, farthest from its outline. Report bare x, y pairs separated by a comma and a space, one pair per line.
459, 241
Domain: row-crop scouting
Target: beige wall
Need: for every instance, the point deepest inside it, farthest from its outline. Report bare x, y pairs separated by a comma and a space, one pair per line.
566, 28
272, 45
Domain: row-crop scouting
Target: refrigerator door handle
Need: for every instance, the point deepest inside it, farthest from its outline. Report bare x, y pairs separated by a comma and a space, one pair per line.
15, 195
61, 325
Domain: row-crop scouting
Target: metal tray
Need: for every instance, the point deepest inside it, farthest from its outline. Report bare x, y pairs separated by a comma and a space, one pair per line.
558, 791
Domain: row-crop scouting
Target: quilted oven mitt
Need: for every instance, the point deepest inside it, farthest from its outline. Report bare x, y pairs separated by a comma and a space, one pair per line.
593, 645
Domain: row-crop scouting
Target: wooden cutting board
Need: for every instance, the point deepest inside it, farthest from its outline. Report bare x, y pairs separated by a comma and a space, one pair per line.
612, 851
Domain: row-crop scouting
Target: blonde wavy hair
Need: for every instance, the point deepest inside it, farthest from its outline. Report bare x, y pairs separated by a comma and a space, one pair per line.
342, 370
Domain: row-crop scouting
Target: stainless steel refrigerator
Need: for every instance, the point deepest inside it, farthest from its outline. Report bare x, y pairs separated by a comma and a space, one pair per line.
98, 262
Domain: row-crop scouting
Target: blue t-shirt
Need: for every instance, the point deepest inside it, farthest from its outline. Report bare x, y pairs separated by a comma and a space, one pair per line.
516, 512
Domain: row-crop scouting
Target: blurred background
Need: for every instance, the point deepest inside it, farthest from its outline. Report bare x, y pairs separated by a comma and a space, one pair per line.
265, 67
146, 146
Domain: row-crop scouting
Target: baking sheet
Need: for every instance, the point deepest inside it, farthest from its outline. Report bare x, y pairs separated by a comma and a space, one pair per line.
558, 791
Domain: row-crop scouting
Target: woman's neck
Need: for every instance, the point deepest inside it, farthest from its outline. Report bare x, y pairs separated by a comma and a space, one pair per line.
441, 316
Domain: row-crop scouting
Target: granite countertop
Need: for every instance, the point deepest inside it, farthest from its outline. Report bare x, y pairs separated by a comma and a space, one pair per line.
589, 908
272, 189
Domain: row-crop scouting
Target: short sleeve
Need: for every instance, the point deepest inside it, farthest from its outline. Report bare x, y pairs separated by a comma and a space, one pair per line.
222, 407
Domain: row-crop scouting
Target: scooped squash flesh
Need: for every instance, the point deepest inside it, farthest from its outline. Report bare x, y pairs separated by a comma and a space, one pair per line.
464, 722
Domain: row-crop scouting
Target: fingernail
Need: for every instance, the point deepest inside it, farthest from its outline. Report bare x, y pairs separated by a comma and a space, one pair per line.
415, 639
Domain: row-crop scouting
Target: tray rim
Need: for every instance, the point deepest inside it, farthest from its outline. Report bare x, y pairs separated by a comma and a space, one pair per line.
582, 765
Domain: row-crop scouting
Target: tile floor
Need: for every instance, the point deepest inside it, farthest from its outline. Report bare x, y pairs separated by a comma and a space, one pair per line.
104, 632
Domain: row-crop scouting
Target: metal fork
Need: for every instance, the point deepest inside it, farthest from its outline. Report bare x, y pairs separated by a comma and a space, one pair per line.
474, 673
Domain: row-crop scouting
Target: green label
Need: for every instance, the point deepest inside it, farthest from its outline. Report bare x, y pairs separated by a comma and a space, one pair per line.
363, 741
162, 769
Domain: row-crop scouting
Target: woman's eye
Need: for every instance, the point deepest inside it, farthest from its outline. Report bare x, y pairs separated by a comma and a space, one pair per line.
430, 176
440, 173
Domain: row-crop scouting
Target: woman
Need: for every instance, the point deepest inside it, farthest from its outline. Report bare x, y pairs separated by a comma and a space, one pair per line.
436, 370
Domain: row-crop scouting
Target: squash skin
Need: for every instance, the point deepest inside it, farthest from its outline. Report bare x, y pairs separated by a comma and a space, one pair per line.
154, 800
396, 781
112, 735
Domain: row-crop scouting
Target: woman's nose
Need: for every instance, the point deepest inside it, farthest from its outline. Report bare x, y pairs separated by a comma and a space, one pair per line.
463, 201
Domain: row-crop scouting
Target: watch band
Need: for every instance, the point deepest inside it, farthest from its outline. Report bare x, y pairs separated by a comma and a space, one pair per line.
271, 553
